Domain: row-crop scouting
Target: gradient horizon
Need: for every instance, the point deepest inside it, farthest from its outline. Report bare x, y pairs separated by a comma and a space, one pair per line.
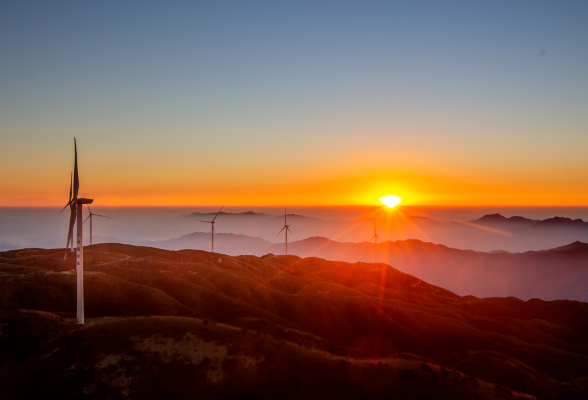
303, 104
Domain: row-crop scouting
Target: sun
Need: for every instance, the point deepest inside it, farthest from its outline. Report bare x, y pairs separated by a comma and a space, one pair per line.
390, 200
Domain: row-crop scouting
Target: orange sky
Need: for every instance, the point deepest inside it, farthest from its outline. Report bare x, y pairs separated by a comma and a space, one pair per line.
161, 172
152, 189
211, 104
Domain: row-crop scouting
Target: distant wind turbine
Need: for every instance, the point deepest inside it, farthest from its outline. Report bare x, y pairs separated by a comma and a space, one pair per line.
90, 217
287, 228
212, 223
375, 239
76, 206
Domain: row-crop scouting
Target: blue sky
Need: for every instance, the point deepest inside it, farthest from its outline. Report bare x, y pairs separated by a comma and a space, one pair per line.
457, 90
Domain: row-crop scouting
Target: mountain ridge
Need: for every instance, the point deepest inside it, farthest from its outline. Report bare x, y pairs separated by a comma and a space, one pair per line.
557, 273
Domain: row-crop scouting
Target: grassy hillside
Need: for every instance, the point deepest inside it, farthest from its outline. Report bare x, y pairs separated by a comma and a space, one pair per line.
175, 322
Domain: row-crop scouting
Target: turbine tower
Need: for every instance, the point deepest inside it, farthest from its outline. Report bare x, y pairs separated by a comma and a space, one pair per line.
212, 223
287, 228
90, 217
76, 206
375, 239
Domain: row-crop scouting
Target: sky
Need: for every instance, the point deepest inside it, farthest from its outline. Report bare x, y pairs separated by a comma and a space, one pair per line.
306, 103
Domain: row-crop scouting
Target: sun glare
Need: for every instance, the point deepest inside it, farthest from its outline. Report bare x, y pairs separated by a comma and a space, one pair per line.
390, 200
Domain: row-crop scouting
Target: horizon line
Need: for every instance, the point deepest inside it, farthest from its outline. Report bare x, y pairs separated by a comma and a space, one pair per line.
317, 206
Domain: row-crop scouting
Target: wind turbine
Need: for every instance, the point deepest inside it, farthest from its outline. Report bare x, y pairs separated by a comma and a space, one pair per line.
90, 217
76, 206
212, 223
375, 239
287, 228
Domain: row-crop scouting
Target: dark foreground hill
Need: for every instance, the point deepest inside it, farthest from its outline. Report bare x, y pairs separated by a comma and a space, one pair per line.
185, 324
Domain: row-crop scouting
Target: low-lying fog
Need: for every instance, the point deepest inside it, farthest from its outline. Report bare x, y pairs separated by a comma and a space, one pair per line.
47, 227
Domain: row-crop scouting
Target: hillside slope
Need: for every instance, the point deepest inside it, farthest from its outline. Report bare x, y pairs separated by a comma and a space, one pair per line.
276, 325
560, 273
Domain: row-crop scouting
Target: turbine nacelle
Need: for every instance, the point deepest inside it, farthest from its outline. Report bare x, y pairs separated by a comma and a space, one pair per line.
83, 201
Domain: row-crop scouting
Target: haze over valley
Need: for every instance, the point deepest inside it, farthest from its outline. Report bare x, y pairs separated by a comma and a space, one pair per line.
479, 229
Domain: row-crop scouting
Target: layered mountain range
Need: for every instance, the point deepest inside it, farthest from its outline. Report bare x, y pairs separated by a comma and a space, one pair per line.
492, 232
488, 233
558, 273
174, 324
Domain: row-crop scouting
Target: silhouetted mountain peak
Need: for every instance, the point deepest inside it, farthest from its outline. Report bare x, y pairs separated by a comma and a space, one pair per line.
499, 221
562, 221
501, 218
492, 217
292, 215
571, 246
245, 213
315, 239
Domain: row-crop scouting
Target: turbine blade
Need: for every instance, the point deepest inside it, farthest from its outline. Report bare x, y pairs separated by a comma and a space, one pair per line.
281, 231
65, 206
208, 222
289, 230
103, 216
218, 213
72, 221
87, 205
76, 186
70, 185
87, 218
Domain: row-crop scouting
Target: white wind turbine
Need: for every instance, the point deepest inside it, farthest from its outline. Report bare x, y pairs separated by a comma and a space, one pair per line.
212, 223
375, 239
76, 206
90, 218
287, 228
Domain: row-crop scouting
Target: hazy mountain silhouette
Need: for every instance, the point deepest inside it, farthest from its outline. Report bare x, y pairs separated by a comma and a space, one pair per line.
572, 246
165, 323
500, 222
107, 239
488, 233
563, 222
496, 232
226, 243
245, 213
559, 273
